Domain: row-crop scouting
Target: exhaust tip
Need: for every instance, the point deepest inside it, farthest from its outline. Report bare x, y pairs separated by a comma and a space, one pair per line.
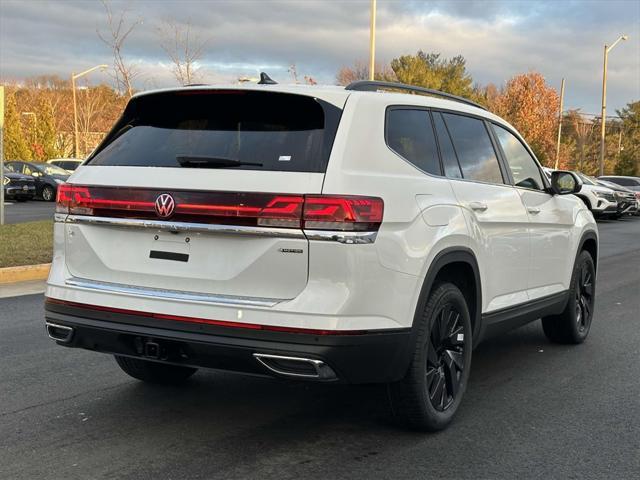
59, 333
297, 367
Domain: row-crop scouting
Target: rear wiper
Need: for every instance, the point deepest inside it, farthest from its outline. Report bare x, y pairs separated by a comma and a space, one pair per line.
201, 161
122, 131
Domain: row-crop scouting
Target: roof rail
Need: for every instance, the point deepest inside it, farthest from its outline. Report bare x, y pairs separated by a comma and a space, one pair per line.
372, 86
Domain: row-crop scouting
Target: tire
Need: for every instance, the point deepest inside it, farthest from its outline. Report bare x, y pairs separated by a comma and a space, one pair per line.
428, 397
573, 324
154, 372
48, 194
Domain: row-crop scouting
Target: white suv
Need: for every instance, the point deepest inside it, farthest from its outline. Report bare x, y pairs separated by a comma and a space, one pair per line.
319, 233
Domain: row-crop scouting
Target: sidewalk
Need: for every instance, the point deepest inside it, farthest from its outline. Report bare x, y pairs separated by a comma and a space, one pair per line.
22, 288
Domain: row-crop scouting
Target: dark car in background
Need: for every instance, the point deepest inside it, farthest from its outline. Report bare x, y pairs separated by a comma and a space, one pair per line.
47, 177
18, 186
632, 183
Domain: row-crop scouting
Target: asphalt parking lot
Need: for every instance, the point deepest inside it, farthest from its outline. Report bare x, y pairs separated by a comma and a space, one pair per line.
31, 211
532, 409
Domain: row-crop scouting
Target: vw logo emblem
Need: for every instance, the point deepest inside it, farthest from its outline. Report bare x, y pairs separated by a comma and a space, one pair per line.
165, 205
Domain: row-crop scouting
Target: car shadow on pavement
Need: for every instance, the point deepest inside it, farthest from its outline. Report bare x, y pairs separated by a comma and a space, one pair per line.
211, 395
224, 425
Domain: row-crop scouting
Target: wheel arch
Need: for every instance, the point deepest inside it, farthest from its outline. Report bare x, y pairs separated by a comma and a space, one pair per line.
456, 265
589, 242
586, 200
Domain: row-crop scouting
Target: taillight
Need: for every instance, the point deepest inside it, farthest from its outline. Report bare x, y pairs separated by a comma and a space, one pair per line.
312, 212
83, 200
72, 197
349, 213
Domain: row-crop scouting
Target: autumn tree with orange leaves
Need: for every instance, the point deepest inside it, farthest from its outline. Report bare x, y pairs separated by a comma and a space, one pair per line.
530, 105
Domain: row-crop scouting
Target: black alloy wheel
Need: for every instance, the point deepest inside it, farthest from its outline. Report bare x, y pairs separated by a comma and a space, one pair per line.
445, 357
584, 298
429, 395
574, 323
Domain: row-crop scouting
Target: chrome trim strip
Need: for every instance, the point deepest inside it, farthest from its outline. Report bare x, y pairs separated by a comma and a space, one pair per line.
162, 293
69, 331
323, 371
187, 227
274, 232
359, 238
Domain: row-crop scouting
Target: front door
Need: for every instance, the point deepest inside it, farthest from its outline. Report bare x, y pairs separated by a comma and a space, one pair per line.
550, 217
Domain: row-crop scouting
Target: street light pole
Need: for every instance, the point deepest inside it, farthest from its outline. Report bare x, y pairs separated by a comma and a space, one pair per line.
75, 116
604, 101
372, 41
559, 124
74, 77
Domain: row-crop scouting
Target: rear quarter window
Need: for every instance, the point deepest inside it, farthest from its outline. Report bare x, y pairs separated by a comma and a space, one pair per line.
263, 130
409, 133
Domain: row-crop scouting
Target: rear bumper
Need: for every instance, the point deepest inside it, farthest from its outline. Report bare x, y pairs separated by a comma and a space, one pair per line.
370, 357
19, 191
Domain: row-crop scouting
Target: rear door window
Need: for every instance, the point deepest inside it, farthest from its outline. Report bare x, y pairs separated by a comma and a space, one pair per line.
474, 149
236, 129
409, 133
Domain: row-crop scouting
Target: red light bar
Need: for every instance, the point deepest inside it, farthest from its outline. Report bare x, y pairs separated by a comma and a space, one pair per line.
319, 212
220, 323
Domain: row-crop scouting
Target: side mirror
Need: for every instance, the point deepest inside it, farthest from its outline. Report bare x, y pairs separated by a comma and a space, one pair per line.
36, 174
564, 183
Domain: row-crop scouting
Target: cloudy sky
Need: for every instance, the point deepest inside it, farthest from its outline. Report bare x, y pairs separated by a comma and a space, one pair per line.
498, 39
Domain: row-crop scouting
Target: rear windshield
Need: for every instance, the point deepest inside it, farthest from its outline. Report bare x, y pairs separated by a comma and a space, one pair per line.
250, 130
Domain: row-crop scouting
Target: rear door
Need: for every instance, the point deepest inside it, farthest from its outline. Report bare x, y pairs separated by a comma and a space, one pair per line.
496, 216
200, 191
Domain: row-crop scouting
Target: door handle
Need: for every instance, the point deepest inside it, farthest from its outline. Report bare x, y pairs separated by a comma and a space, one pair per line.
478, 207
533, 210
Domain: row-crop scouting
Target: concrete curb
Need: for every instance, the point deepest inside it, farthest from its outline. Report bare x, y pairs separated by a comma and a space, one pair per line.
24, 273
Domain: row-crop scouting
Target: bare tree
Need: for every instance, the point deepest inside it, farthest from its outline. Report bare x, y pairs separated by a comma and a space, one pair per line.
119, 30
308, 79
582, 129
294, 72
360, 71
183, 48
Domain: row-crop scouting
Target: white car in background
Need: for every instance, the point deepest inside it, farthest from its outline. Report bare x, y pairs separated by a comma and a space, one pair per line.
600, 200
627, 199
